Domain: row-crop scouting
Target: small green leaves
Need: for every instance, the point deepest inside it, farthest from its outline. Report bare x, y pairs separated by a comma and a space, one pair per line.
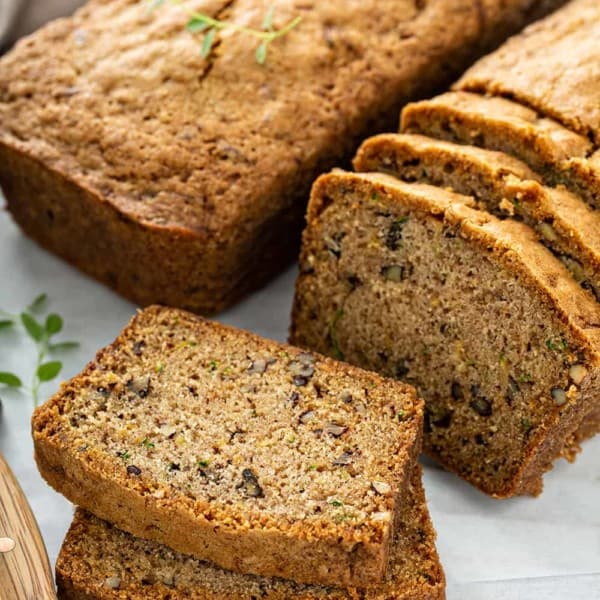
40, 330
336, 503
48, 371
207, 44
10, 379
197, 24
54, 324
261, 53
267, 23
203, 23
33, 328
38, 304
62, 346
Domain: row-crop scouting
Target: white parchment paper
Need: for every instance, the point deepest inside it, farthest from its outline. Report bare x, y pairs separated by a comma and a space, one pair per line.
539, 549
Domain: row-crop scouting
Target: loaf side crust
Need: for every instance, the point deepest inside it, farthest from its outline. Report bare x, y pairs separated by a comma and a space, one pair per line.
93, 553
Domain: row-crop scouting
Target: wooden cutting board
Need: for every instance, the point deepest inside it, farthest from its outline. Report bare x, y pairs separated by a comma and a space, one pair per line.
25, 572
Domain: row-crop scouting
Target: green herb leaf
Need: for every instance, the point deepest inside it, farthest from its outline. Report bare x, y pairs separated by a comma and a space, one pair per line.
49, 370
61, 346
336, 503
267, 23
38, 304
54, 324
261, 53
207, 44
197, 24
203, 463
6, 324
10, 379
33, 328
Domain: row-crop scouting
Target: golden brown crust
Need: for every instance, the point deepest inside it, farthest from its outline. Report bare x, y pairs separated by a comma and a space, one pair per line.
93, 558
196, 178
551, 66
238, 535
500, 184
515, 246
559, 155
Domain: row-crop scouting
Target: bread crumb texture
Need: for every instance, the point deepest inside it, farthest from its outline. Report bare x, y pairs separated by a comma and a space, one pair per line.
410, 280
91, 566
256, 455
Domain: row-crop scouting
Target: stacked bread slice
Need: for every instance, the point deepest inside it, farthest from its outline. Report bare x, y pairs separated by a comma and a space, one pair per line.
243, 467
469, 266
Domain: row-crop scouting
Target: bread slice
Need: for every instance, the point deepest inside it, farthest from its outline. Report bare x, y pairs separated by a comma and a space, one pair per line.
558, 154
500, 184
183, 181
553, 66
481, 318
100, 562
254, 455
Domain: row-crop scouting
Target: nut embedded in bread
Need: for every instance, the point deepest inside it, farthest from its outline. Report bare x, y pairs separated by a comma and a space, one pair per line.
257, 456
484, 321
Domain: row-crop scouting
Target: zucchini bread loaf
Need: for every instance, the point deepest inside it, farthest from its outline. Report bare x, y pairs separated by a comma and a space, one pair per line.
92, 566
183, 181
259, 457
407, 279
501, 185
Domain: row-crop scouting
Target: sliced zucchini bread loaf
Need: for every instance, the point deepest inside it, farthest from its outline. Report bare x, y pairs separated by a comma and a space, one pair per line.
499, 184
183, 180
100, 562
259, 457
559, 155
408, 280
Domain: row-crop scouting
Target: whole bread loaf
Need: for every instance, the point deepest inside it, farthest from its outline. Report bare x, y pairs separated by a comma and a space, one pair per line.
100, 562
183, 181
407, 279
257, 456
501, 185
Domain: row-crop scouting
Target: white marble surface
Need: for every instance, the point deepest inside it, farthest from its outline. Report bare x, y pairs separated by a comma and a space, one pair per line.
540, 549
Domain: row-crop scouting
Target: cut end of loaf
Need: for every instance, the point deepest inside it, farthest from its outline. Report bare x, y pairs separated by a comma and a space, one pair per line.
487, 325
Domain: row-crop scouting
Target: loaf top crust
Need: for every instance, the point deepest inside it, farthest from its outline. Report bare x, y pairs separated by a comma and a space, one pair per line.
552, 66
118, 99
242, 432
105, 563
512, 243
470, 168
554, 142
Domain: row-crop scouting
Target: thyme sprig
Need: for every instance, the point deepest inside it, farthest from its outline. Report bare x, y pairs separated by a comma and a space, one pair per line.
209, 26
41, 331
